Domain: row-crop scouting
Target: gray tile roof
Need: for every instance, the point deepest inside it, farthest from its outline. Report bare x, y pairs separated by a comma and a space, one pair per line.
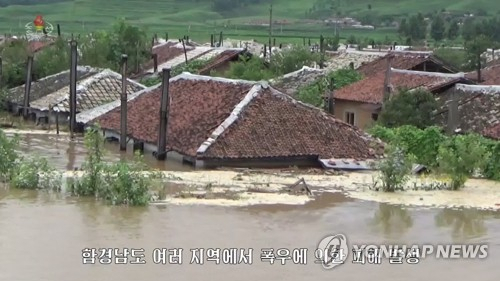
478, 108
96, 90
49, 84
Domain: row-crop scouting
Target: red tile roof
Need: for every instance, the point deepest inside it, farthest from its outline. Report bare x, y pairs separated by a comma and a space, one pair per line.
270, 125
220, 59
401, 60
371, 89
493, 132
165, 51
490, 75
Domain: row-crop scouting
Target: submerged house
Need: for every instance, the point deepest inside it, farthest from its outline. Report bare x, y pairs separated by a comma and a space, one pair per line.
360, 103
471, 109
102, 86
222, 122
170, 53
419, 61
45, 86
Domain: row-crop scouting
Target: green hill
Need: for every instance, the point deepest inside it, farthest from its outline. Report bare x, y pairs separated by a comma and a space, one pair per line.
198, 18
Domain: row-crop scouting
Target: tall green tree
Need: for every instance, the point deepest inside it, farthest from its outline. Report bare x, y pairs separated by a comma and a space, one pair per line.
438, 28
453, 30
474, 49
409, 107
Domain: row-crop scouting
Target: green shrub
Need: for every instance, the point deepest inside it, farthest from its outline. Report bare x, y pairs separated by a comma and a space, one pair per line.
9, 158
35, 173
395, 169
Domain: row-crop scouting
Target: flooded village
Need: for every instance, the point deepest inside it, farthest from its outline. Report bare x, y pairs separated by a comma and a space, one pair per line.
227, 162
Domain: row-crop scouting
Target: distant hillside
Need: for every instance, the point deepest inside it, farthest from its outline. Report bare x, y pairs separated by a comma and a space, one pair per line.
185, 15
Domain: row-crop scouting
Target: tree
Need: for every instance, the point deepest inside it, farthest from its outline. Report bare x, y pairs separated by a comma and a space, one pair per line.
409, 107
403, 27
453, 30
474, 49
468, 29
293, 59
53, 59
437, 28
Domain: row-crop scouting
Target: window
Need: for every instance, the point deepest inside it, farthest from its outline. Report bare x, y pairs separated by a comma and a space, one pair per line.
349, 117
374, 116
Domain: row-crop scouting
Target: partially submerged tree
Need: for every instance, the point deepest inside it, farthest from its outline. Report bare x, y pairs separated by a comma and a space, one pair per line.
409, 107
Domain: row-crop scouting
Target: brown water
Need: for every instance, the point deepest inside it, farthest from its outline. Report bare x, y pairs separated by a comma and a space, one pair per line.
42, 235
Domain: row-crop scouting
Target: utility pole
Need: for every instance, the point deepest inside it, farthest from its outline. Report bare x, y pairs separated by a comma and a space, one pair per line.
270, 29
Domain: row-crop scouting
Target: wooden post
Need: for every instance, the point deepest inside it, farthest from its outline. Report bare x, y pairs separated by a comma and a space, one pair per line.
211, 40
265, 50
1, 66
304, 40
58, 30
27, 88
220, 40
161, 152
155, 62
321, 49
72, 88
309, 42
123, 106
166, 36
331, 96
185, 53
137, 57
270, 28
57, 122
274, 42
50, 113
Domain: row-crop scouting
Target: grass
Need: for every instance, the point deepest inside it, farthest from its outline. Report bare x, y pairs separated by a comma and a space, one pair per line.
198, 20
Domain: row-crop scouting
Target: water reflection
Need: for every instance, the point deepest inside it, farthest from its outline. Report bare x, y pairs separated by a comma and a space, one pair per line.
120, 218
392, 220
465, 223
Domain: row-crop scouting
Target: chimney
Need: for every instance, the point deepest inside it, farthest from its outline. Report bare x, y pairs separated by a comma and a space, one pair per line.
452, 114
123, 106
161, 152
387, 80
27, 88
72, 87
155, 63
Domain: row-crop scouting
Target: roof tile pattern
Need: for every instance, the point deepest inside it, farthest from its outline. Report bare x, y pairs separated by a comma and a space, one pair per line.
196, 109
401, 60
101, 88
371, 89
478, 109
220, 59
271, 124
490, 75
275, 125
49, 84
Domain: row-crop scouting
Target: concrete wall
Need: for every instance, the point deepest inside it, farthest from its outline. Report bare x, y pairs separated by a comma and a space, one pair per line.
362, 112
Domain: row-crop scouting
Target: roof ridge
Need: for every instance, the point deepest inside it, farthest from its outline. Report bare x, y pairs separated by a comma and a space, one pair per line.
190, 76
233, 117
483, 89
426, 73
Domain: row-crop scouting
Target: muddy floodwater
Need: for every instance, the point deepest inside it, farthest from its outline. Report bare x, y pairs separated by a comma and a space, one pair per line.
42, 234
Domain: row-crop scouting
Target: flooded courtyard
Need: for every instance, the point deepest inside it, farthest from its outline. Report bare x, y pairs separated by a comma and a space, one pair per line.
42, 234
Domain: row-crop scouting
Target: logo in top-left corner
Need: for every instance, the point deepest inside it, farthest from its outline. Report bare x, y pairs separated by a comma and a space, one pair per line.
38, 29
332, 251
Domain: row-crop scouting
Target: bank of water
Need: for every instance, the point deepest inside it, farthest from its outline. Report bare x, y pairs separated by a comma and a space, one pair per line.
42, 234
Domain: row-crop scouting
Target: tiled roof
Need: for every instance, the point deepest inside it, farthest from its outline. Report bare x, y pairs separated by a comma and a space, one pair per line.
101, 88
490, 75
166, 51
290, 83
222, 118
223, 57
478, 109
401, 60
371, 89
49, 84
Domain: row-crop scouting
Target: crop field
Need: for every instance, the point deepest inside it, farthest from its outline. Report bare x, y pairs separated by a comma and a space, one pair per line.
199, 19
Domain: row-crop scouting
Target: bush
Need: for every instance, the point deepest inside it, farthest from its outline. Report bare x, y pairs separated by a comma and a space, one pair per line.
8, 156
36, 173
460, 157
119, 183
395, 169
